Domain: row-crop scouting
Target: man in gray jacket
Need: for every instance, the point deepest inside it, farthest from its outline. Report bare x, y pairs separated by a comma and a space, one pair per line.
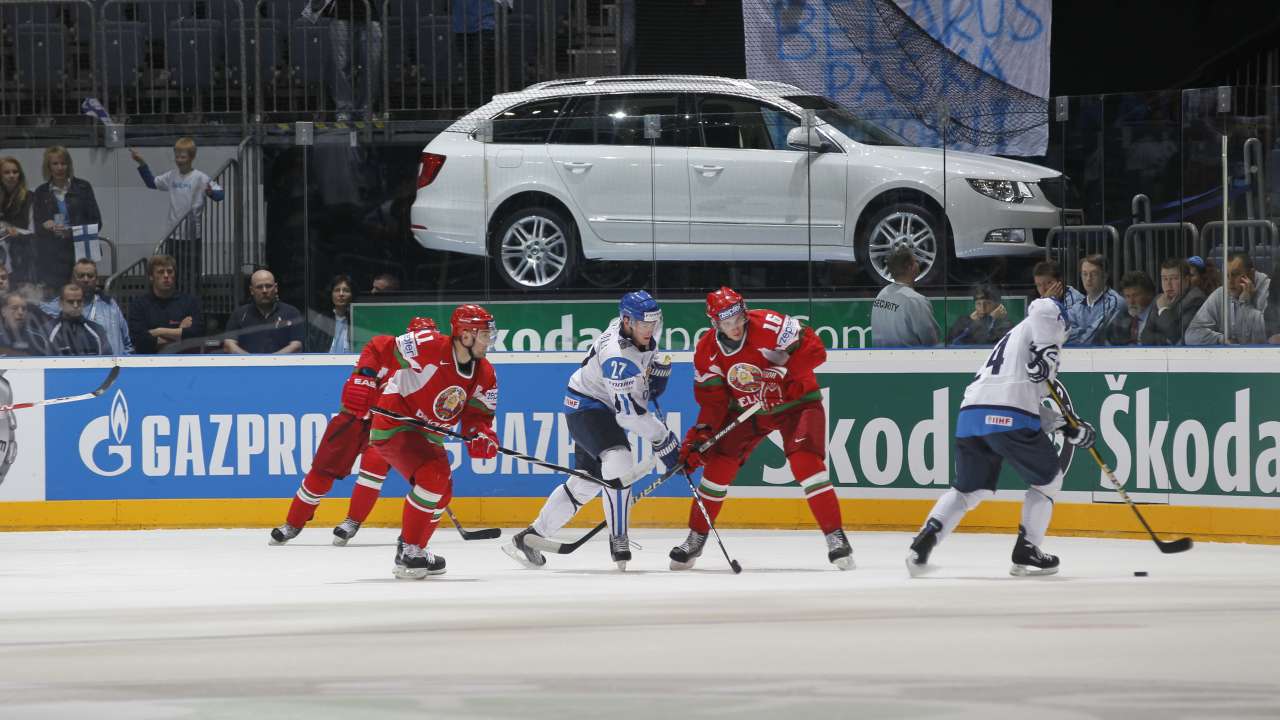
1249, 290
900, 316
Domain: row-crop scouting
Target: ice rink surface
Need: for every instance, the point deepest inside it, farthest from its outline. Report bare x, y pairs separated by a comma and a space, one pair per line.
215, 624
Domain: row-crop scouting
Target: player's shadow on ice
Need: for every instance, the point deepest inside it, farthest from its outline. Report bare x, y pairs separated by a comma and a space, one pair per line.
397, 581
605, 571
331, 545
999, 578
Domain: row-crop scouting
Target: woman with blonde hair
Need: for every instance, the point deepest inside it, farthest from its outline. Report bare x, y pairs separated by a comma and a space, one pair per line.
61, 203
16, 224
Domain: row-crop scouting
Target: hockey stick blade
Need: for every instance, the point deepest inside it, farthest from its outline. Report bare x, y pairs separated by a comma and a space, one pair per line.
612, 484
483, 534
556, 547
1167, 547
111, 378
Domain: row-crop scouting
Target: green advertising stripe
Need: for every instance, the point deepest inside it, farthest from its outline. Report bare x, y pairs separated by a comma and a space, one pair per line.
571, 325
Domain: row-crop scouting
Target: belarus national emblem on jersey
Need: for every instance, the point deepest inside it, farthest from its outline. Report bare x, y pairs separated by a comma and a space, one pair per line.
449, 402
744, 377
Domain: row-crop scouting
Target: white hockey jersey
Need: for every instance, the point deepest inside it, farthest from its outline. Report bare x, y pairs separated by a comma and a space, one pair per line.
1002, 396
615, 375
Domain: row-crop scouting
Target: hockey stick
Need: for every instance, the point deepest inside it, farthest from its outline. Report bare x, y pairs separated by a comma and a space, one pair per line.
617, 484
111, 378
485, 534
556, 547
1166, 546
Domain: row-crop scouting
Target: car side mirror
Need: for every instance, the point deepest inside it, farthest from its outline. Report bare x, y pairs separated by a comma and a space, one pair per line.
808, 139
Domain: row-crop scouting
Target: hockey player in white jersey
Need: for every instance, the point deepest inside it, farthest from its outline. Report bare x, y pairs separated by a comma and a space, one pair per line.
1000, 420
607, 397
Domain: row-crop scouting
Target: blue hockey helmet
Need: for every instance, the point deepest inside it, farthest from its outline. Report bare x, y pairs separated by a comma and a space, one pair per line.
640, 307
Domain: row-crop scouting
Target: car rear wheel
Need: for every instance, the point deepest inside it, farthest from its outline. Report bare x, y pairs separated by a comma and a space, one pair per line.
902, 225
535, 248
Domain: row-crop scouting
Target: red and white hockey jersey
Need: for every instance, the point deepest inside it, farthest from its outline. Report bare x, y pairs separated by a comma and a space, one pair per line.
430, 386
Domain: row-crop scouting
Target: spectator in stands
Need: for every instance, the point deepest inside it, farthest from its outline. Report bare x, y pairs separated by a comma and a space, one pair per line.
339, 340
20, 333
187, 186
165, 320
1249, 294
900, 316
988, 322
1204, 274
72, 333
97, 307
17, 223
1176, 306
473, 23
1048, 278
355, 39
1128, 326
265, 325
61, 203
385, 283
1090, 317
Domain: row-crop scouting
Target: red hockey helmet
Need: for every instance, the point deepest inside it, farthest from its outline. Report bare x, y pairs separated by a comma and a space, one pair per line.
471, 317
724, 304
422, 323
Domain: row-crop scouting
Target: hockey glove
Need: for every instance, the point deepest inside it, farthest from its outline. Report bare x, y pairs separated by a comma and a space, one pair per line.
1043, 364
693, 439
668, 451
359, 392
1081, 434
771, 394
483, 444
659, 374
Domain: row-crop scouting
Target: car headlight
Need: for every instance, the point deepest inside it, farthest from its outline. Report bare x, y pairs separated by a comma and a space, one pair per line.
1012, 191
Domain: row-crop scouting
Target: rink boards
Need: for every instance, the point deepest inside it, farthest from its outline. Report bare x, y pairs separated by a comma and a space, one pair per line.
222, 442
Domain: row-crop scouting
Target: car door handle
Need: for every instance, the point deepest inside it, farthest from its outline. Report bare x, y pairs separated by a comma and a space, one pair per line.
578, 167
709, 170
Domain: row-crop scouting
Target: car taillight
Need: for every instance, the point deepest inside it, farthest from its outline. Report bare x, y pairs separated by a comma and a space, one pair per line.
429, 169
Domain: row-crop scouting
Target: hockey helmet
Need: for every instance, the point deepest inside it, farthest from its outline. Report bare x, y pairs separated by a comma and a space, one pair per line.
724, 304
472, 317
422, 323
640, 307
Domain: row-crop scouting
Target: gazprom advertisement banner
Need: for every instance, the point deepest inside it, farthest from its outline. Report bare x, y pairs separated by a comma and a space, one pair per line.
1201, 429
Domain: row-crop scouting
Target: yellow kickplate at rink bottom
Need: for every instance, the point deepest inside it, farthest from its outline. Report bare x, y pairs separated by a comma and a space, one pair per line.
1221, 524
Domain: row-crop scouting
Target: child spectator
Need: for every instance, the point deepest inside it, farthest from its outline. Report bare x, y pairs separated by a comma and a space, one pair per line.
187, 188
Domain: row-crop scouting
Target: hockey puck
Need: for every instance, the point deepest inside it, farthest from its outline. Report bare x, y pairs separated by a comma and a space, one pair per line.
1139, 573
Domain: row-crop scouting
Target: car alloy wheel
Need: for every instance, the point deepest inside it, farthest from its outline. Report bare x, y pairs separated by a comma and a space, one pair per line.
534, 251
898, 229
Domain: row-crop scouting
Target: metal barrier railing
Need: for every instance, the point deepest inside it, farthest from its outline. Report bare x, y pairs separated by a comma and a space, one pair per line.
1259, 238
255, 59
1148, 244
42, 50
211, 248
1071, 244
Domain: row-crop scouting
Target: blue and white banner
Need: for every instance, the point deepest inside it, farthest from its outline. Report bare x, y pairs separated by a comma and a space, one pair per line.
251, 432
812, 44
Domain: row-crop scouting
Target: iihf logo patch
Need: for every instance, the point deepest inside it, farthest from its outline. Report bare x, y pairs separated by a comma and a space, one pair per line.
1000, 420
449, 402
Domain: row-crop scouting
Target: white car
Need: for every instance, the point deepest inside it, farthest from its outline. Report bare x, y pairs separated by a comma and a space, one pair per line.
565, 171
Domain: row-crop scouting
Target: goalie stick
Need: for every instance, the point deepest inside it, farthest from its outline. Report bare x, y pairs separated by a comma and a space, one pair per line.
1166, 546
556, 547
483, 534
111, 378
617, 484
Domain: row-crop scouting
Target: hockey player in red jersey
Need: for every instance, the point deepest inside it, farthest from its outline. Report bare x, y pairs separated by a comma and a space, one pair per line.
445, 381
347, 437
759, 356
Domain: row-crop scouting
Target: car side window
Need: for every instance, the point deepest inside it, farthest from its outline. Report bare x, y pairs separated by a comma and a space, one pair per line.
741, 124
577, 124
621, 119
530, 123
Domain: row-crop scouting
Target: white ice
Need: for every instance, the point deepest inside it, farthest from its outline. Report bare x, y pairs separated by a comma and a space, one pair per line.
215, 624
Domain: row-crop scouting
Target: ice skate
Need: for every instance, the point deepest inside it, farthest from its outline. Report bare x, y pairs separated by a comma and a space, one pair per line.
344, 532
685, 554
921, 547
522, 552
283, 534
416, 562
620, 550
1031, 560
839, 551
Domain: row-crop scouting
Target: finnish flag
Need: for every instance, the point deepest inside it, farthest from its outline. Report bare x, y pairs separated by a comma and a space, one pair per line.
84, 238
